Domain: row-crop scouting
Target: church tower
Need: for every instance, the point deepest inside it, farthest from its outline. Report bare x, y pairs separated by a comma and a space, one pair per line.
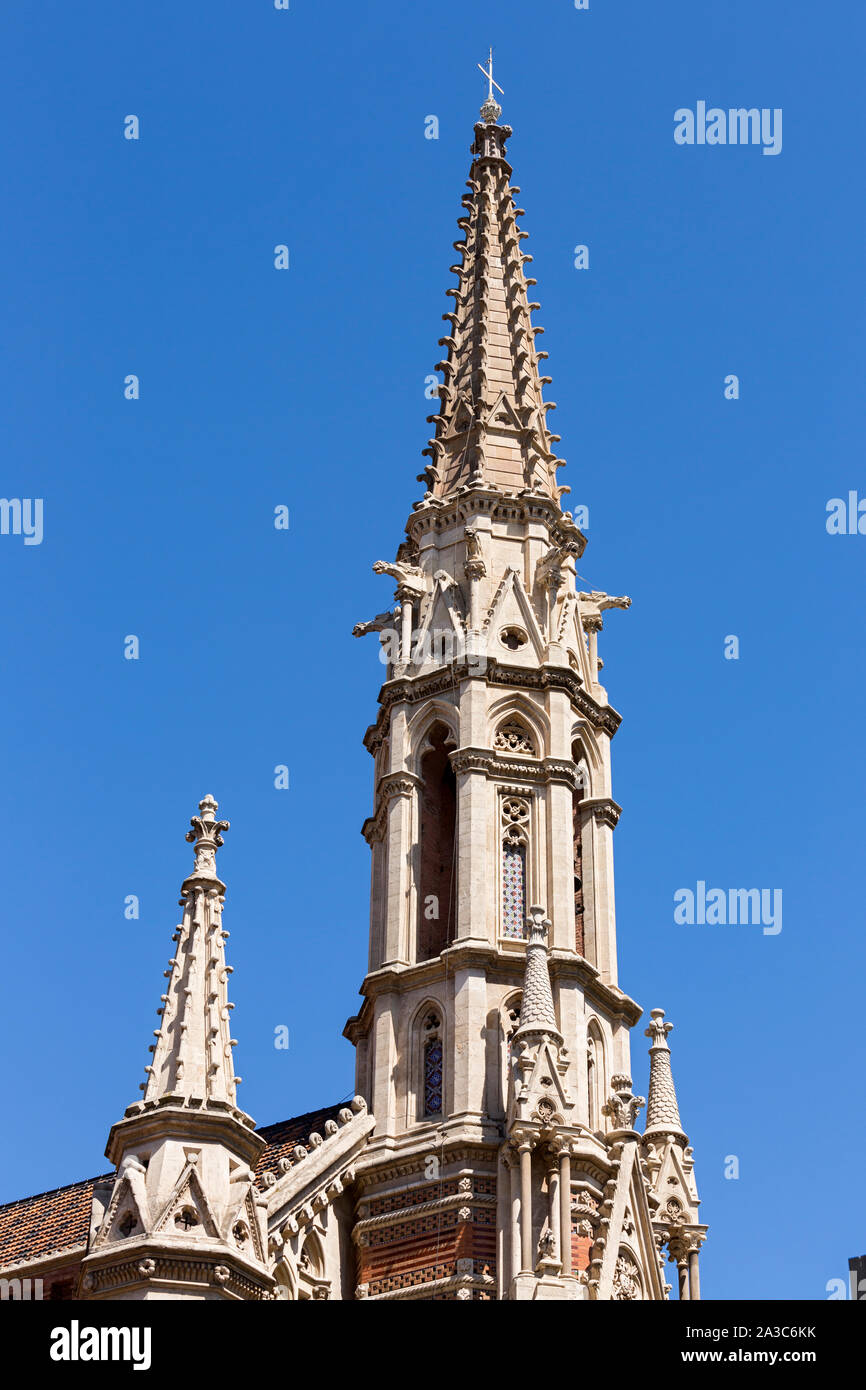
493, 1040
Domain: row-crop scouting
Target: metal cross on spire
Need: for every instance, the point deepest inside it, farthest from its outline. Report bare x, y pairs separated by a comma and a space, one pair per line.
488, 73
491, 110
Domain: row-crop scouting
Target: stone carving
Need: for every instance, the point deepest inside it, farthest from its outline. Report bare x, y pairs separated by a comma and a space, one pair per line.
593, 604
410, 578
474, 566
548, 571
626, 1279
206, 835
382, 622
622, 1106
584, 1201
514, 737
547, 1246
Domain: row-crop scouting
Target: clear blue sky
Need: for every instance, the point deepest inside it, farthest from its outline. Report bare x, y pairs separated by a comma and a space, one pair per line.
306, 387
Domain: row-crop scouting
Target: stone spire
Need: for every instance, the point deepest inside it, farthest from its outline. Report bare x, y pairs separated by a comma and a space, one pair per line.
184, 1217
192, 1055
663, 1114
537, 1013
491, 427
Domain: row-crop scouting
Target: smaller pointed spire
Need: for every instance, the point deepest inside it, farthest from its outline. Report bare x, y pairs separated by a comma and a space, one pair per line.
192, 1054
663, 1113
536, 1011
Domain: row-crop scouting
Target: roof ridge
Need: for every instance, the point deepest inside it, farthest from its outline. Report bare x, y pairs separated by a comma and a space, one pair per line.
51, 1191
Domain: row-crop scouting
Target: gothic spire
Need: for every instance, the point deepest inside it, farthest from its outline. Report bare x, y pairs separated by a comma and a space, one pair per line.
663, 1113
491, 428
536, 1011
192, 1055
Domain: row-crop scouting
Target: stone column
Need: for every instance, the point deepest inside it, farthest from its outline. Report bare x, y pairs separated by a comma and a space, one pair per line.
476, 879
565, 1210
526, 1260
514, 1215
598, 817
405, 598
592, 627
679, 1252
399, 791
553, 1217
694, 1276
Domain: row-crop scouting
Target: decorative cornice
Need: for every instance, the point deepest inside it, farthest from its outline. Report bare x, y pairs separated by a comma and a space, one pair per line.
400, 1215
603, 808
388, 1158
526, 769
412, 1290
412, 689
147, 1264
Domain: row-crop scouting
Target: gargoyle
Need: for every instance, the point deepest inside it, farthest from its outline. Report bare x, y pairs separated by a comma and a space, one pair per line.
380, 623
410, 577
594, 604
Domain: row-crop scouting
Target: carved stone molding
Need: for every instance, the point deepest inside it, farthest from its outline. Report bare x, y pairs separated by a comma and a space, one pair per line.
398, 784
413, 689
603, 808
494, 766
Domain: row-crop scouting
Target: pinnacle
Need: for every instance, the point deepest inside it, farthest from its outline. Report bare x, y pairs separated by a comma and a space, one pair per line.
536, 1011
663, 1113
491, 427
192, 1054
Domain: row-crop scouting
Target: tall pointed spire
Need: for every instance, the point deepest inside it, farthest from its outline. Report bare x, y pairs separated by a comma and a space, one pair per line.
663, 1112
536, 1012
491, 428
192, 1055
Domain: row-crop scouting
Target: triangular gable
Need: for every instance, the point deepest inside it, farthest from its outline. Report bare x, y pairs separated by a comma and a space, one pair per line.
569, 634
249, 1213
671, 1182
511, 605
128, 1195
630, 1208
504, 407
442, 616
542, 1080
188, 1191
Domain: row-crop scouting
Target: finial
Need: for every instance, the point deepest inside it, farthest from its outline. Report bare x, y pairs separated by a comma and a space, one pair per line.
206, 835
537, 925
491, 110
657, 1030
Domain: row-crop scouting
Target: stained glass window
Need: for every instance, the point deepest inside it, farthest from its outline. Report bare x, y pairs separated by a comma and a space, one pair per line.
433, 1077
513, 890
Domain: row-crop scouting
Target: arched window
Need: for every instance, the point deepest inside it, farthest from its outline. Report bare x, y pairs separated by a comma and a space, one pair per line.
437, 836
515, 842
595, 1077
432, 1059
312, 1282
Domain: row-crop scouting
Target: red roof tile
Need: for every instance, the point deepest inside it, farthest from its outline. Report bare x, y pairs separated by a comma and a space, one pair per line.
47, 1223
